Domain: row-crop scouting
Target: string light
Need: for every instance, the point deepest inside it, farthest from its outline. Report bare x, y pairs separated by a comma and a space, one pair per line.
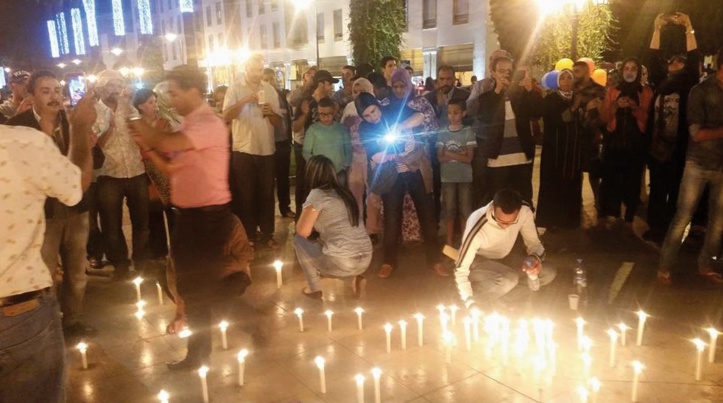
144, 12
119, 25
186, 6
63, 33
53, 34
78, 39
89, 6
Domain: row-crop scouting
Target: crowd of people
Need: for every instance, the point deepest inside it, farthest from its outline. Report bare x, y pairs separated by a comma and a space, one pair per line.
375, 163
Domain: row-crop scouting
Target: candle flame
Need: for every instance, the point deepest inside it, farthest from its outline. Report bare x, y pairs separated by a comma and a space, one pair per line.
713, 332
613, 334
242, 354
319, 362
595, 384
376, 372
638, 366
328, 313
359, 310
359, 379
298, 311
163, 395
223, 325
699, 344
419, 317
586, 343
623, 327
138, 280
82, 347
642, 315
441, 308
278, 264
448, 338
580, 321
402, 323
140, 304
388, 327
185, 332
203, 371
583, 393
453, 308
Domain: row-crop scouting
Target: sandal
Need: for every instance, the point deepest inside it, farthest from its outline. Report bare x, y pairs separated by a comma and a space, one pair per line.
664, 278
712, 276
385, 271
311, 294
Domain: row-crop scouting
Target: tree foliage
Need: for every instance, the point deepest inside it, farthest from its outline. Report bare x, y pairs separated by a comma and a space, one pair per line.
375, 29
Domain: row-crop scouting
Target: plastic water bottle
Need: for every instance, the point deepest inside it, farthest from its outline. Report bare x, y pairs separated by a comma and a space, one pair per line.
579, 283
533, 281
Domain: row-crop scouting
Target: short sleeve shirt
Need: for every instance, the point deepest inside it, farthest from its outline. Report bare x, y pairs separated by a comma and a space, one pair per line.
339, 237
252, 132
457, 142
31, 170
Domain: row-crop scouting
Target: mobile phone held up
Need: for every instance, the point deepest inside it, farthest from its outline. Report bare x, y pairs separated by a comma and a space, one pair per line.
77, 87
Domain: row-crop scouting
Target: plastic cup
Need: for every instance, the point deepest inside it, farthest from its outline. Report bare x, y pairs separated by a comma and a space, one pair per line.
574, 300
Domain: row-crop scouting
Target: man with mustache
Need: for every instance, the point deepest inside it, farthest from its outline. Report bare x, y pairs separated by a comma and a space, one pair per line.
66, 229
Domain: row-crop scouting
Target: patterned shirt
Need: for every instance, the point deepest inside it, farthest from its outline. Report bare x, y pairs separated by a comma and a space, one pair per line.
253, 133
122, 155
31, 169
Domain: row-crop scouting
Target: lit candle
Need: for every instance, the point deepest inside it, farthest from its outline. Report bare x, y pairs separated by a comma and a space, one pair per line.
700, 347
539, 328
505, 324
448, 338
322, 375
444, 321
583, 393
83, 348
278, 265
140, 312
441, 308
467, 322
637, 369
586, 363
185, 332
163, 396
223, 326
453, 310
595, 386
137, 281
475, 322
713, 342
359, 388
300, 314
241, 357
359, 311
377, 374
642, 317
623, 331
580, 322
613, 345
388, 330
552, 351
403, 333
204, 384
329, 313
420, 328
160, 293
586, 344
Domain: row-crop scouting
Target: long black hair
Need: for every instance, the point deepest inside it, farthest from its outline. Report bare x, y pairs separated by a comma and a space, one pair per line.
321, 174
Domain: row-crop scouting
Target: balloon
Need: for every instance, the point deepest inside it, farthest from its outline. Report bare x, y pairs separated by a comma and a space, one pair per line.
564, 64
543, 80
600, 76
590, 63
551, 80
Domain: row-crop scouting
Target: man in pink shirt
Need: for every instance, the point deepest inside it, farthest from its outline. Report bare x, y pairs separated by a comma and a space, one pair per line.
209, 247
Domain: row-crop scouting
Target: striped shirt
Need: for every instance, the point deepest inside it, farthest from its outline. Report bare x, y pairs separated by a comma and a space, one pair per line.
511, 152
485, 237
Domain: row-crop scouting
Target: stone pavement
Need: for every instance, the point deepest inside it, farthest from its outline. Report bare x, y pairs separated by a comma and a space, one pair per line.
127, 357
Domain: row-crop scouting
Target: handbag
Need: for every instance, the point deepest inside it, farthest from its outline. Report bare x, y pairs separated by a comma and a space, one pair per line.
384, 177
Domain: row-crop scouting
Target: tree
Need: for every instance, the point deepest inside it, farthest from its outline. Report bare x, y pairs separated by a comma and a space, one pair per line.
150, 57
375, 29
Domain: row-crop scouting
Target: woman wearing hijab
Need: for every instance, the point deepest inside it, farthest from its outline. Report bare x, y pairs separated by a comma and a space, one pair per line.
387, 137
625, 113
560, 196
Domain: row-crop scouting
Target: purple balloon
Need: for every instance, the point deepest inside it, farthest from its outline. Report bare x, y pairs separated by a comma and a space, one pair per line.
550, 79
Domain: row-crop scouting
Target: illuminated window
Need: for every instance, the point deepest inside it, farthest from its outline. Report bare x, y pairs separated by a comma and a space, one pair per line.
429, 14
461, 12
338, 26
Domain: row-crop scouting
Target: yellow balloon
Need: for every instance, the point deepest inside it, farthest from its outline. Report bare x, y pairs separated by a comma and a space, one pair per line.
600, 76
564, 64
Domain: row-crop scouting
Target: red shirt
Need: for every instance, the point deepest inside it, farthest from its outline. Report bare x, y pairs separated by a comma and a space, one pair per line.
199, 176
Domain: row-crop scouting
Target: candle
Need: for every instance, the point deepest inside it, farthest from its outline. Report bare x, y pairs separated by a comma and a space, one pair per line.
140, 312
642, 317
583, 393
595, 386
185, 332
388, 330
637, 369
223, 326
586, 363
160, 293
137, 281
403, 333
613, 343
713, 342
552, 351
377, 374
586, 344
163, 396
278, 265
448, 338
475, 322
467, 322
441, 308
700, 347
623, 330
83, 348
539, 328
580, 322
444, 320
204, 384
300, 314
241, 357
505, 324
359, 311
453, 310
322, 376
359, 388
329, 313
420, 328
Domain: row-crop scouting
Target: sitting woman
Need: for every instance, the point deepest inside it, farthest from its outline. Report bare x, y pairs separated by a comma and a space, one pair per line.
342, 249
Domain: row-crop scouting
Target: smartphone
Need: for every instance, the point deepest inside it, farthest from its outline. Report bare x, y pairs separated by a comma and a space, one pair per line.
77, 87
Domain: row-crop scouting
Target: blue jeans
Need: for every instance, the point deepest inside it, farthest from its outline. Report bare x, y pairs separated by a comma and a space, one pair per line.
694, 182
32, 355
457, 200
315, 263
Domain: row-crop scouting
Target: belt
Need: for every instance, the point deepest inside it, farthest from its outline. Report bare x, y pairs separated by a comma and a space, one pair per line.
18, 304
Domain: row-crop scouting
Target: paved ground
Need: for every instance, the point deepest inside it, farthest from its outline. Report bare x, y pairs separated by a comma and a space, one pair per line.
127, 358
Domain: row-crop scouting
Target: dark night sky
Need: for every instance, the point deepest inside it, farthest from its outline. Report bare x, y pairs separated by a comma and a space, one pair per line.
23, 33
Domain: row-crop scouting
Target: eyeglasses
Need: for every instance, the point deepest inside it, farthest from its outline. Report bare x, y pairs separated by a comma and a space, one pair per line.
325, 115
517, 218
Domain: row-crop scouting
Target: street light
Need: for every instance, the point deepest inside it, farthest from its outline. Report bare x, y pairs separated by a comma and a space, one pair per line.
116, 51
170, 37
76, 61
61, 65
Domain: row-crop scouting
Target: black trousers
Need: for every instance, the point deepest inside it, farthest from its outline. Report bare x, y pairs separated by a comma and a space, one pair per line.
254, 177
94, 248
301, 192
282, 163
479, 175
516, 177
665, 180
621, 184
158, 238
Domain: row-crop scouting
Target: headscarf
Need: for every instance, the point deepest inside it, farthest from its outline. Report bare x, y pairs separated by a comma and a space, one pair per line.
566, 95
366, 85
631, 89
401, 74
365, 100
350, 108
